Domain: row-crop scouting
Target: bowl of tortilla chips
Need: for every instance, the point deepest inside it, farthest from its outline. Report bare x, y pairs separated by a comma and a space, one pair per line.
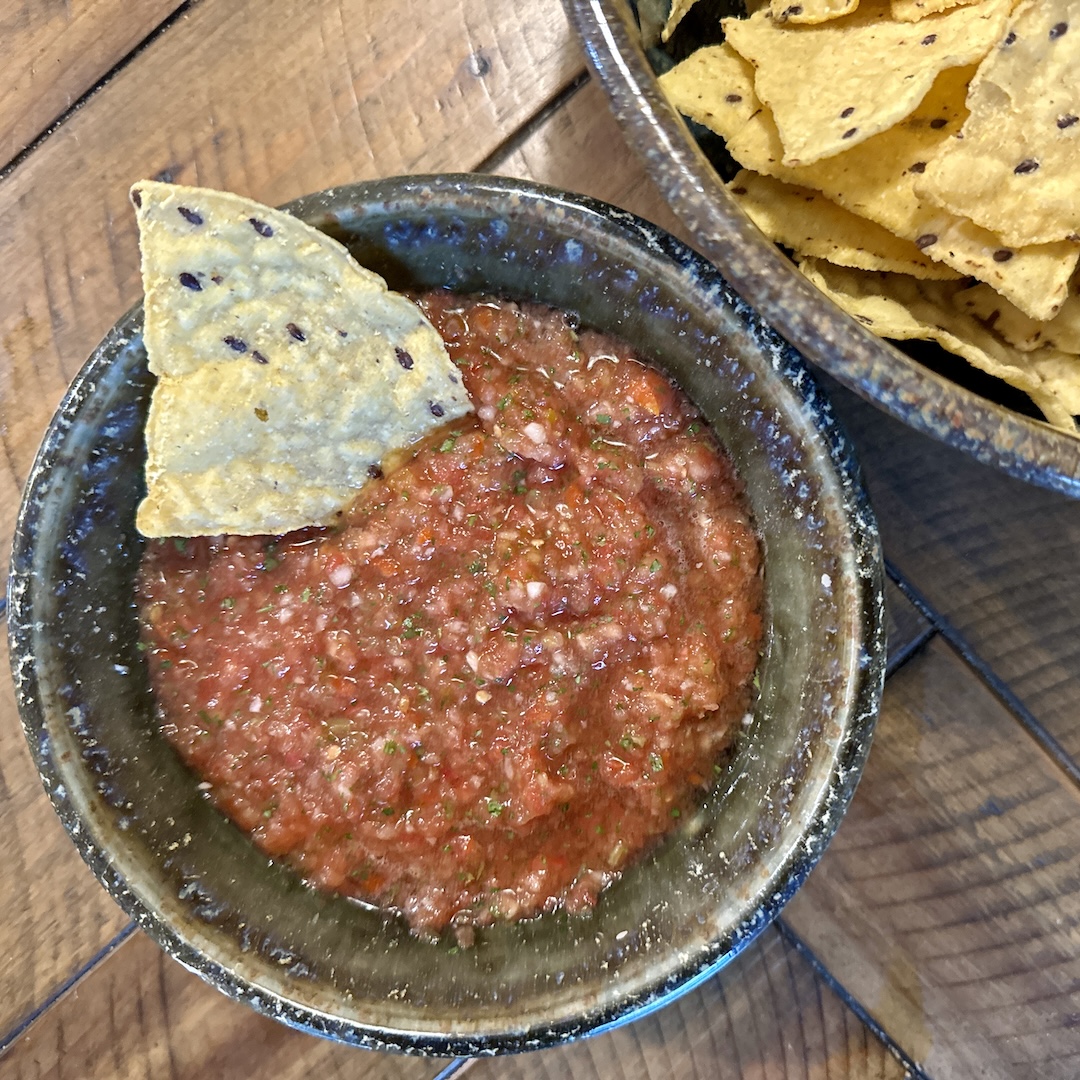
914, 161
130, 427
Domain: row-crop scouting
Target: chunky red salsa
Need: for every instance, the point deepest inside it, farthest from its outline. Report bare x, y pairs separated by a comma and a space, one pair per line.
508, 670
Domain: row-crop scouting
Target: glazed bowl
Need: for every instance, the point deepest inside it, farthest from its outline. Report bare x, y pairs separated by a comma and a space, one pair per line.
330, 966
621, 40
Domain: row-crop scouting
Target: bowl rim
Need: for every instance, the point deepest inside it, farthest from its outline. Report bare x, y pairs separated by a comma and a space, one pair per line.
873, 368
851, 749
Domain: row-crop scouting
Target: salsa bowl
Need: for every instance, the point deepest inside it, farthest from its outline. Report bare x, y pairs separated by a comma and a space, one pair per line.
324, 964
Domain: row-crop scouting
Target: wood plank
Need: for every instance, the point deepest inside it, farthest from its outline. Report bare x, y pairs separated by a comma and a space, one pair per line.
55, 52
567, 149
766, 1015
325, 93
56, 916
904, 624
140, 1014
996, 557
948, 903
268, 100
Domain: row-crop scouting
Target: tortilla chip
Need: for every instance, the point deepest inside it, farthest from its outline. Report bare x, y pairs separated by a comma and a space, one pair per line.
1062, 332
809, 12
286, 371
876, 180
914, 10
678, 9
714, 86
900, 307
1034, 278
856, 76
1058, 395
811, 225
1014, 168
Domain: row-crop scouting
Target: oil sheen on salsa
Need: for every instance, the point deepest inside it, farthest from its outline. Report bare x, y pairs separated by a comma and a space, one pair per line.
509, 669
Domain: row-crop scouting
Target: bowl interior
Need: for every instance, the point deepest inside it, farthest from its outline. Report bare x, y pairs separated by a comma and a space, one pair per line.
333, 966
936, 393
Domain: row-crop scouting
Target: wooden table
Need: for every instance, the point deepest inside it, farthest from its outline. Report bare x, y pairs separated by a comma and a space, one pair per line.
940, 935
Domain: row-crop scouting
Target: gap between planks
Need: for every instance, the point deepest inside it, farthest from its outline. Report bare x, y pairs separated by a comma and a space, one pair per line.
57, 122
22, 1026
985, 673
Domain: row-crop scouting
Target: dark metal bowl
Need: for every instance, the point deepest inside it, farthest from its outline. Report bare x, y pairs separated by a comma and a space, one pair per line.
321, 963
874, 369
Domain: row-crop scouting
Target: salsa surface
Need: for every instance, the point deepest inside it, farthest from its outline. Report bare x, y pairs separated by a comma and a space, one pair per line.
512, 666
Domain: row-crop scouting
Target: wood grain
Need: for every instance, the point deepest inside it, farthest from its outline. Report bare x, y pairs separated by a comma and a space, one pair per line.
948, 902
267, 99
140, 1014
56, 916
996, 557
54, 51
567, 149
766, 1015
904, 625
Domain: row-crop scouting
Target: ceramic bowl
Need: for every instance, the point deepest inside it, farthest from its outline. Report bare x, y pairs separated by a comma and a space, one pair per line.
620, 39
326, 965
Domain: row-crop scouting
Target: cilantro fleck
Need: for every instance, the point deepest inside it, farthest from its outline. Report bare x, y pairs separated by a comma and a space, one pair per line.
656, 762
603, 418
180, 543
476, 567
390, 747
210, 719
654, 566
228, 602
494, 807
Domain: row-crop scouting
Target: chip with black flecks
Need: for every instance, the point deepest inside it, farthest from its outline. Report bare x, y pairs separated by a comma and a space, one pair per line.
268, 340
